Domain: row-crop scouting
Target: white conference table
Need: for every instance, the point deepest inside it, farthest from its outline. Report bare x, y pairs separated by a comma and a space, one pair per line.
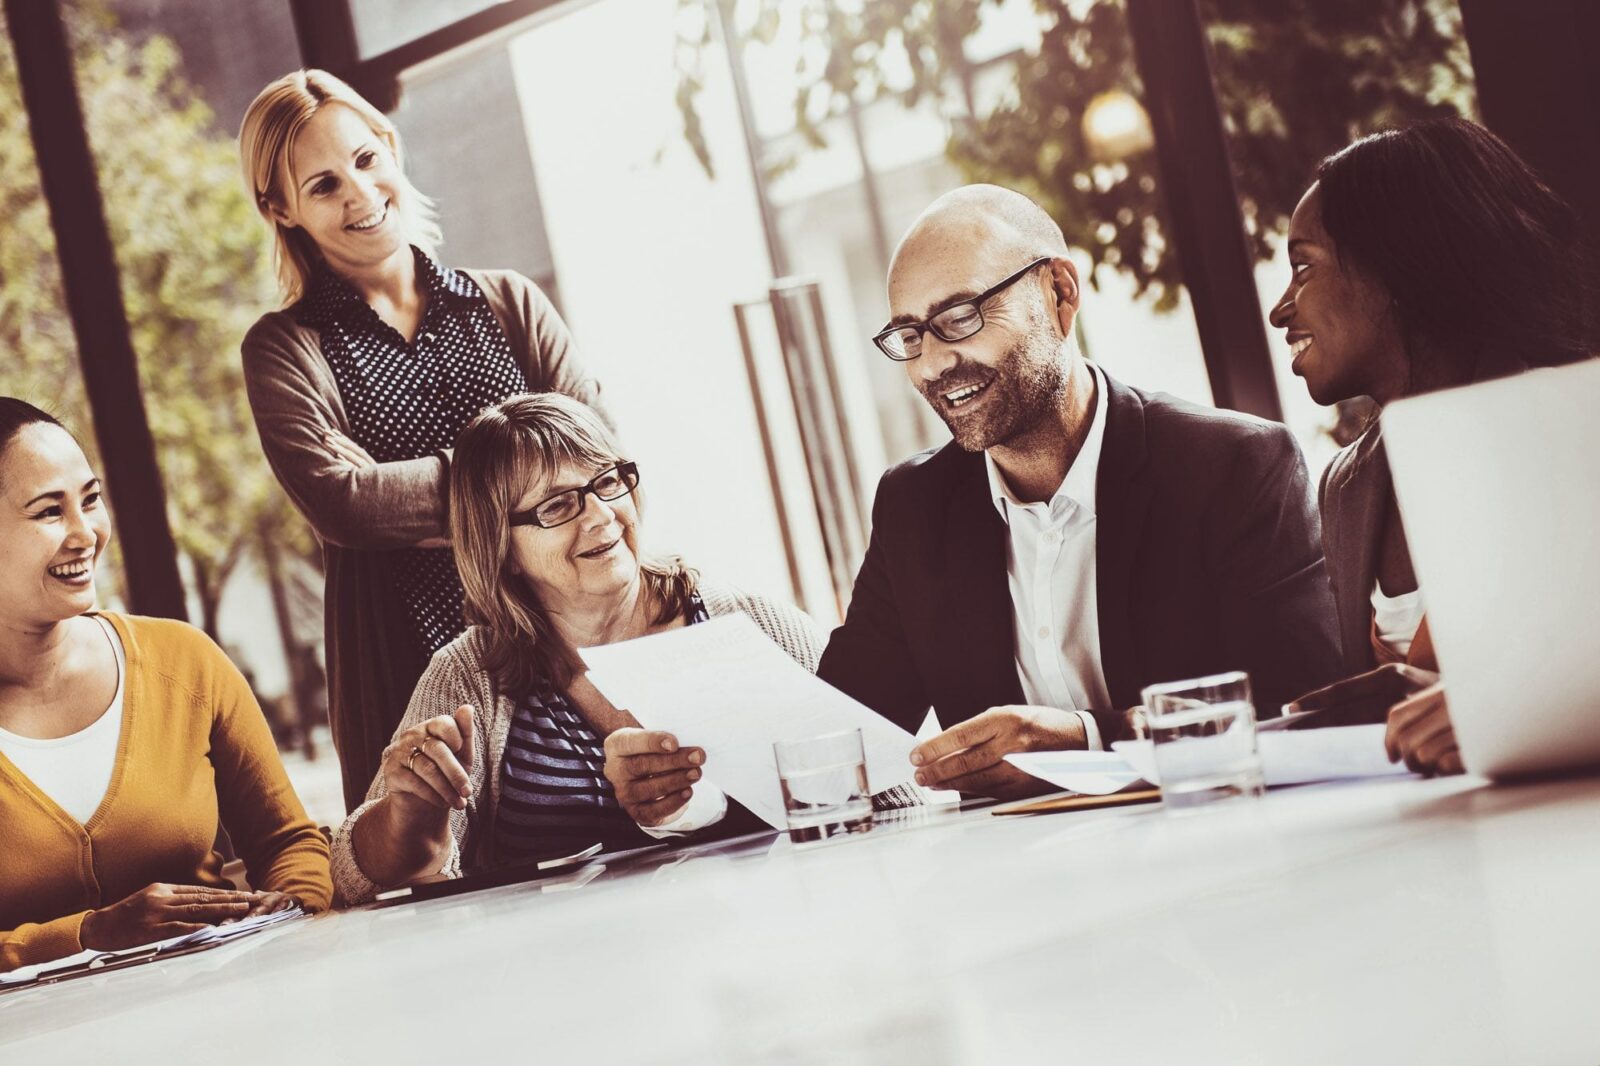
1394, 920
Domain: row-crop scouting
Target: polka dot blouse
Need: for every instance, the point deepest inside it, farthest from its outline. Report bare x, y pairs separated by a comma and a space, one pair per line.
406, 400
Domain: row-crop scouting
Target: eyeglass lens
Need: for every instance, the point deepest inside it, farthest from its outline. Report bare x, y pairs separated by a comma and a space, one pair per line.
608, 485
952, 324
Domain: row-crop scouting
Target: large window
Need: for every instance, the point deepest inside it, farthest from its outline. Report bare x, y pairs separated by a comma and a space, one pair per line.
710, 192
1296, 84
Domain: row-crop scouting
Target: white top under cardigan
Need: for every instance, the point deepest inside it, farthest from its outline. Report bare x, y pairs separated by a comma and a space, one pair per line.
1398, 618
74, 771
1050, 567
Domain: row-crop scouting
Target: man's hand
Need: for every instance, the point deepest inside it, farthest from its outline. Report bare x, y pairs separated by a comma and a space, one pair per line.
1364, 699
970, 757
652, 773
1420, 733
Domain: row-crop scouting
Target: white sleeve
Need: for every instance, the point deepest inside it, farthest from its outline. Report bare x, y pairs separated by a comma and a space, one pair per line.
1091, 732
707, 805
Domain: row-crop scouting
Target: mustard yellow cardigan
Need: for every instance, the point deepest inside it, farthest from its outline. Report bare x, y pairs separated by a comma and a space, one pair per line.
194, 750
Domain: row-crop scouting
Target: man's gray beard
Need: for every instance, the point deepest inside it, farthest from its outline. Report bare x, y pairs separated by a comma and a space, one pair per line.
1023, 399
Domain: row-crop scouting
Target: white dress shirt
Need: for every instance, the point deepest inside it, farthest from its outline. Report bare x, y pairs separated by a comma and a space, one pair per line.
1050, 567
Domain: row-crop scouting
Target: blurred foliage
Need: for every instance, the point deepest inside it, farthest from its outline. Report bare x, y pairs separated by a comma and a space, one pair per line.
1296, 80
194, 277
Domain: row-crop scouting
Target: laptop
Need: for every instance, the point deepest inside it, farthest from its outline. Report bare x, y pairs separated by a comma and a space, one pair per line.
1499, 488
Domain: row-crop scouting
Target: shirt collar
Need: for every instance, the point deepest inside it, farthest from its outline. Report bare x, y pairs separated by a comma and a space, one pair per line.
442, 280
1078, 486
330, 299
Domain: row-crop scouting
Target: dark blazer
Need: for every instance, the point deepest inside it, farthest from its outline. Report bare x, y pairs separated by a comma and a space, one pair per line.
1353, 497
1208, 558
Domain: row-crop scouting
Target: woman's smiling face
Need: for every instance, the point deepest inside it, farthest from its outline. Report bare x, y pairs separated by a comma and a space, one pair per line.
344, 190
53, 527
1339, 322
592, 557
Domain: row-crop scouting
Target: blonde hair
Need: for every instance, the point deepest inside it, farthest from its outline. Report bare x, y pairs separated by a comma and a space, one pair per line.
507, 447
267, 137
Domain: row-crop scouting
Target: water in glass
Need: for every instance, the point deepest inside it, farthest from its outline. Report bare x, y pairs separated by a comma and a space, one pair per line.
1206, 752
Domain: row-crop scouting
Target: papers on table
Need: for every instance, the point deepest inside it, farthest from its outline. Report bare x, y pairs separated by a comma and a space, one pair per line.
1092, 773
217, 934
1292, 757
725, 687
1337, 754
90, 960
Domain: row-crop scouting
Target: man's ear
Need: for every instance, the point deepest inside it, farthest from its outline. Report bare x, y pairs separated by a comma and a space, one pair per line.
1067, 293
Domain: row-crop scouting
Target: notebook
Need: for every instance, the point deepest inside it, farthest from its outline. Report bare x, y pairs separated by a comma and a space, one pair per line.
92, 961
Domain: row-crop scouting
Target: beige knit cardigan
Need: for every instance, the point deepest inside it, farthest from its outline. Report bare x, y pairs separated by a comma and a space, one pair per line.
457, 676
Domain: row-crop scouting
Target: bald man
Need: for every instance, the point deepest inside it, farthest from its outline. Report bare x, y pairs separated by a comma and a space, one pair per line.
1078, 539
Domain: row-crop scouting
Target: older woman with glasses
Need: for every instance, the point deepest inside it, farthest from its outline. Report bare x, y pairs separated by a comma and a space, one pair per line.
507, 752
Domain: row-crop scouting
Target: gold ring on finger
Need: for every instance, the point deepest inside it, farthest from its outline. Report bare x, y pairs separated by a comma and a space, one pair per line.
415, 751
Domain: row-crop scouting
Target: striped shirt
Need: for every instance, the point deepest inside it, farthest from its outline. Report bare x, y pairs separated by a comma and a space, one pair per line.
554, 796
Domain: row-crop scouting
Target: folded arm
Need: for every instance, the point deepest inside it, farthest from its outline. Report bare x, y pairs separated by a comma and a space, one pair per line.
370, 506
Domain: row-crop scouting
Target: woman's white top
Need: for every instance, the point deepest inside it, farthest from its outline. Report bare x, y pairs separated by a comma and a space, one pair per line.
75, 770
1397, 618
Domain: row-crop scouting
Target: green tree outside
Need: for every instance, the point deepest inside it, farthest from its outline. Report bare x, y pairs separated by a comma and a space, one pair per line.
194, 277
1296, 80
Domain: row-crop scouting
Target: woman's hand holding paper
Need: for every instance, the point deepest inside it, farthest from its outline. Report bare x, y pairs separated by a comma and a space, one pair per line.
652, 773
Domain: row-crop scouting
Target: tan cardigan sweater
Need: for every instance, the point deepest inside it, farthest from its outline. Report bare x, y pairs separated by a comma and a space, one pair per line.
457, 676
360, 514
194, 746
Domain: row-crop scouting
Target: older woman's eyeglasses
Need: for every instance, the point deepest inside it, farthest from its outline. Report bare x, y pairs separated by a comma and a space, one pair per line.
563, 507
952, 322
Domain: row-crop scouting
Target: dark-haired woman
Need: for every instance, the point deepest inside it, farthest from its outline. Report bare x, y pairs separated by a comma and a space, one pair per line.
507, 752
122, 740
1422, 258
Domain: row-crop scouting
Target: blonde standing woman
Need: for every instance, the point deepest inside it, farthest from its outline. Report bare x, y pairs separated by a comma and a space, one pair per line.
360, 383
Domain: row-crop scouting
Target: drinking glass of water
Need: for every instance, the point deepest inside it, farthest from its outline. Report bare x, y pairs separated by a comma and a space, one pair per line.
1204, 737
824, 781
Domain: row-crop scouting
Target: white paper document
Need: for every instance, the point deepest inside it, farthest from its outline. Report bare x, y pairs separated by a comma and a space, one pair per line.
1294, 757
1334, 754
1091, 773
724, 686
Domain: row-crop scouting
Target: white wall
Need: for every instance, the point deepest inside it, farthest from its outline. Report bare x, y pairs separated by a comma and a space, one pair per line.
652, 256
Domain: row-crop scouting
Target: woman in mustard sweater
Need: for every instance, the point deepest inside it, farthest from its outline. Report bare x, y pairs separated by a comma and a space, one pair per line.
123, 741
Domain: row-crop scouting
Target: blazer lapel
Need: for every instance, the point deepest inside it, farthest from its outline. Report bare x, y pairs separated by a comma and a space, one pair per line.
1353, 518
977, 600
1122, 498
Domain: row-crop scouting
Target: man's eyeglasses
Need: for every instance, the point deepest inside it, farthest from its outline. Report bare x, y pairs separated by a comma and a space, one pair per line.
953, 322
563, 507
